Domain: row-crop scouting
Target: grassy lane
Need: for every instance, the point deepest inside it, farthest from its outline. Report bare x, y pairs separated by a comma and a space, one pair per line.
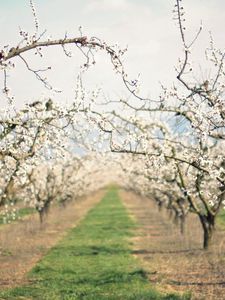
93, 262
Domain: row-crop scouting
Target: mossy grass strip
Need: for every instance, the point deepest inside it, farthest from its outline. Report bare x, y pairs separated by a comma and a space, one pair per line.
93, 262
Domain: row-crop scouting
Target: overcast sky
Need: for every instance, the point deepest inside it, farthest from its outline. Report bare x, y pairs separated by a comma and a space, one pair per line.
146, 26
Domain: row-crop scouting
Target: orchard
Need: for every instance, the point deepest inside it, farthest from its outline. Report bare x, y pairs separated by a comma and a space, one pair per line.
166, 150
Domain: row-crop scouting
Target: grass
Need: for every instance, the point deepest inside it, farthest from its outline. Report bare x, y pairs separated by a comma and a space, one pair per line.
221, 218
21, 213
94, 262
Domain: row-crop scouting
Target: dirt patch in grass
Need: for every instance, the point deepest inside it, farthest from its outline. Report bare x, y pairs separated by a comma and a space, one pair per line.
23, 244
176, 262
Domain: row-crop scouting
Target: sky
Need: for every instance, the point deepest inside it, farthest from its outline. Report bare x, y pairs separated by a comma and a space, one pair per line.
146, 27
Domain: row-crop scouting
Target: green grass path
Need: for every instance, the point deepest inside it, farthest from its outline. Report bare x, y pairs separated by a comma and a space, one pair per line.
94, 261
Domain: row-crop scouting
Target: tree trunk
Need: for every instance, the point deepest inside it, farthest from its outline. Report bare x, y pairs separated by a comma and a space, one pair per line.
207, 237
41, 216
176, 217
160, 205
182, 224
207, 223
